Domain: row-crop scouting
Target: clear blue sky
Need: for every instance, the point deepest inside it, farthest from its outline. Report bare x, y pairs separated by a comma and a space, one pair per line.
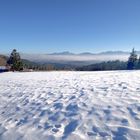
45, 26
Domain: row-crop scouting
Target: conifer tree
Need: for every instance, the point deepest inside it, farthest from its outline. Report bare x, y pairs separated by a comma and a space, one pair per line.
132, 61
15, 61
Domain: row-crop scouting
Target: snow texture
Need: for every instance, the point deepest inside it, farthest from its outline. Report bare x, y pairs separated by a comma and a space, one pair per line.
70, 105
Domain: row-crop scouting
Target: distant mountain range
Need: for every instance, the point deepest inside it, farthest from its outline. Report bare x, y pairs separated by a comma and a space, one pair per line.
81, 59
85, 58
89, 53
62, 53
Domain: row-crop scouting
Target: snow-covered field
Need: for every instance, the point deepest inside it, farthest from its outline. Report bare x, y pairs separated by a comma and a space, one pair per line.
70, 105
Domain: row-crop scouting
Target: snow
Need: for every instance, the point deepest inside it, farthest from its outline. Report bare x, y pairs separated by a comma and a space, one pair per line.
70, 105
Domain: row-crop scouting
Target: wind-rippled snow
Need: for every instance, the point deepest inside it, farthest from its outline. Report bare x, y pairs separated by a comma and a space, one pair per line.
70, 105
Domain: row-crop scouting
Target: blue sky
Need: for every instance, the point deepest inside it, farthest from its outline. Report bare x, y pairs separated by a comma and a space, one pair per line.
45, 26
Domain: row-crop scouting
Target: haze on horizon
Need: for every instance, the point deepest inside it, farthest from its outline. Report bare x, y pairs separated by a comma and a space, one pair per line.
67, 25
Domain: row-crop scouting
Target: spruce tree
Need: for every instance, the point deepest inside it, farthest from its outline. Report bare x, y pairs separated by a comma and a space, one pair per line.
15, 61
132, 61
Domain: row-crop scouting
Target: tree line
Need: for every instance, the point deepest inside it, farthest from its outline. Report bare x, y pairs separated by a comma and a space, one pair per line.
133, 63
104, 66
15, 63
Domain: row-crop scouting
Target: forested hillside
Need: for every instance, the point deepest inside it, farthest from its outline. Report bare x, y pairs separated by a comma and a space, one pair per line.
110, 65
3, 60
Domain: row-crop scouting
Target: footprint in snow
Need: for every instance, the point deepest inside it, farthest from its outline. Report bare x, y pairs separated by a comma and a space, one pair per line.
124, 121
47, 126
58, 106
70, 128
55, 130
120, 134
72, 107
58, 126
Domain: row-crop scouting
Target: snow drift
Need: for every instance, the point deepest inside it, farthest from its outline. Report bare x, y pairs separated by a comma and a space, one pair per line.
70, 105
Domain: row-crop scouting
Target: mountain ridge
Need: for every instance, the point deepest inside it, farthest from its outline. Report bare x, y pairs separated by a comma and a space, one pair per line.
90, 53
